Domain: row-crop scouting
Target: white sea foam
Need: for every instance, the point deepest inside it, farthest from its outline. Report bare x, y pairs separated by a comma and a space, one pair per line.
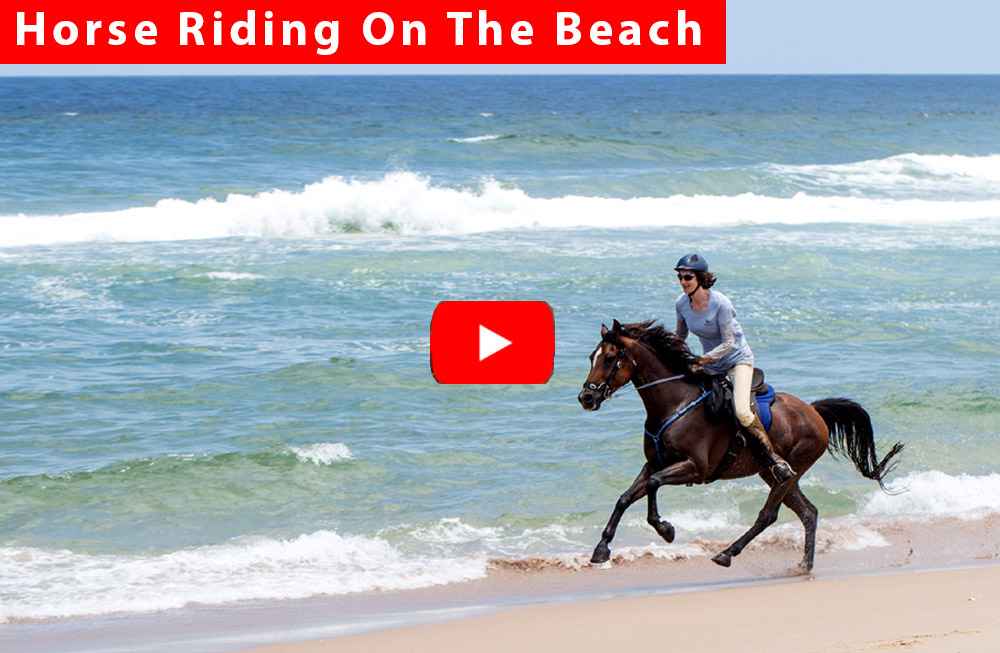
848, 536
71, 293
41, 584
664, 552
705, 523
928, 172
936, 494
701, 521
323, 453
451, 536
406, 203
476, 139
229, 276
452, 530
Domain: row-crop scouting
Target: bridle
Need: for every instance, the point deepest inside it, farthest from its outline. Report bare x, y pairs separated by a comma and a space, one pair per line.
606, 384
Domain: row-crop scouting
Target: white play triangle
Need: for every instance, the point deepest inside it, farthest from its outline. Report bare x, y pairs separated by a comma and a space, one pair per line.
490, 343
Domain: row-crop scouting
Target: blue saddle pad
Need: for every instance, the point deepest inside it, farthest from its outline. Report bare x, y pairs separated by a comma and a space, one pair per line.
764, 406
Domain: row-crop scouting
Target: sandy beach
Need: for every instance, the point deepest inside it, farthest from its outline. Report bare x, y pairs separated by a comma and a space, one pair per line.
953, 610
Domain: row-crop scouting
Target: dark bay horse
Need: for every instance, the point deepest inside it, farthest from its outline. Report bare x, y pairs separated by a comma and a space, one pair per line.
691, 448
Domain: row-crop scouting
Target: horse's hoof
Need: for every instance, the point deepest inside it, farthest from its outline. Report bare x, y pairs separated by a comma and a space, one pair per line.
723, 559
601, 555
665, 529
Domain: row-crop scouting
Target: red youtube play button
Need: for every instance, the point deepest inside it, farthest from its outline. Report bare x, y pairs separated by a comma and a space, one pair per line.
492, 342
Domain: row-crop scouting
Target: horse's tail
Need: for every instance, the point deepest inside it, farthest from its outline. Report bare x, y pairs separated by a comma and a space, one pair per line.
851, 434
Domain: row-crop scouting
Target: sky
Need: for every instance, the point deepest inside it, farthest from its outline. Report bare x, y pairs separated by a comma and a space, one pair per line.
763, 37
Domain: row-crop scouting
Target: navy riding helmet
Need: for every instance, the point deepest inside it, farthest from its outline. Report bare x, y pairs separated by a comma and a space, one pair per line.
692, 262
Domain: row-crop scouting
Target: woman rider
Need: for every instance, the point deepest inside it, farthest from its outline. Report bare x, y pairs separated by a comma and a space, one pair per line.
710, 315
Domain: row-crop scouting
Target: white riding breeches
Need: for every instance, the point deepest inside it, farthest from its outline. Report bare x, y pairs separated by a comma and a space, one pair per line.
742, 376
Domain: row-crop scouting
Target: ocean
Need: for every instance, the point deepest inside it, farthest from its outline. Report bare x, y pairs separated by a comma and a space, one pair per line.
216, 295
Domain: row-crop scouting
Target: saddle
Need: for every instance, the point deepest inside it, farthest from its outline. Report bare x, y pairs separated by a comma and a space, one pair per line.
719, 405
719, 408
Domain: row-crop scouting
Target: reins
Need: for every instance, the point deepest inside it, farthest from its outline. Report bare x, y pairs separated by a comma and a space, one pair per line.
608, 393
647, 385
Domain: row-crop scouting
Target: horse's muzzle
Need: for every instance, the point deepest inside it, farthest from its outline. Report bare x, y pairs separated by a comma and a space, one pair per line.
590, 399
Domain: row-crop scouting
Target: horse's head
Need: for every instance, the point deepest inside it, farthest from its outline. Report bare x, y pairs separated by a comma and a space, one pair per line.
611, 367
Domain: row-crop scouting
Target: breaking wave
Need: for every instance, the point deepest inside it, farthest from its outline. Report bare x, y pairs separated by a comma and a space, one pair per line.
46, 584
933, 493
923, 172
407, 203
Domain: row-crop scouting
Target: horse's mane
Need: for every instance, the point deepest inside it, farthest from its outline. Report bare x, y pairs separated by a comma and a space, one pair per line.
671, 350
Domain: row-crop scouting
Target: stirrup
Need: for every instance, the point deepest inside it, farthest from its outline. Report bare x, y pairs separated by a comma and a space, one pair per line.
782, 471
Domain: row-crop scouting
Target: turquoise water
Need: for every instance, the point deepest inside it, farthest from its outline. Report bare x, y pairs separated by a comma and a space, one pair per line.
216, 296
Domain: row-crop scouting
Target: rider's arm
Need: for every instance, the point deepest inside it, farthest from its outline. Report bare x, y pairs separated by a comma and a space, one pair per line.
682, 327
728, 341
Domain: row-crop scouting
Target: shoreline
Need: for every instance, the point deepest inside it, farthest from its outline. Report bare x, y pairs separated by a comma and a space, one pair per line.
945, 547
929, 610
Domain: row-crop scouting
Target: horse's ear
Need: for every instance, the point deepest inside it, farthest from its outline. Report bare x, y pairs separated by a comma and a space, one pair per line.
616, 327
604, 330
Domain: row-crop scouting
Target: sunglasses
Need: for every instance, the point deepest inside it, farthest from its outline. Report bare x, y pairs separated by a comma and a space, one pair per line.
685, 277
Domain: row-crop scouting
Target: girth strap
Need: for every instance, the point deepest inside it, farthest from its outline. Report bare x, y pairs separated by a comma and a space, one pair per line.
736, 444
680, 414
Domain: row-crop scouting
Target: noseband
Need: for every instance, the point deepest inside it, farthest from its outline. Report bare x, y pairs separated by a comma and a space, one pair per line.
606, 384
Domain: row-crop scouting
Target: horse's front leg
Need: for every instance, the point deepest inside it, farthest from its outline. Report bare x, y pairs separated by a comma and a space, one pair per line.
680, 473
601, 552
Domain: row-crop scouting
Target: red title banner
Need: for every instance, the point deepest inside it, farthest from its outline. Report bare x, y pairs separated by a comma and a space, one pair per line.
363, 32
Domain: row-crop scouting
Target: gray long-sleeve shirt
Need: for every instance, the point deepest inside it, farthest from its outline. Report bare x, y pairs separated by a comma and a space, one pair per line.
720, 334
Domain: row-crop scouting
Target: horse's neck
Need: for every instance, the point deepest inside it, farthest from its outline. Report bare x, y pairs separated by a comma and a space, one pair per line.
662, 399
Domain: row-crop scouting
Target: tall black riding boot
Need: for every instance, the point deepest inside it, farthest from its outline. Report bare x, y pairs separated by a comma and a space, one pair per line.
760, 445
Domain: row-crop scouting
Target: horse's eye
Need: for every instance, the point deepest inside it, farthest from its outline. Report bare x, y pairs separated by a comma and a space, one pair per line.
609, 358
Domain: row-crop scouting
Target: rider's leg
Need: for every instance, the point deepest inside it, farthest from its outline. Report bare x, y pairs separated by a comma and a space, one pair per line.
742, 376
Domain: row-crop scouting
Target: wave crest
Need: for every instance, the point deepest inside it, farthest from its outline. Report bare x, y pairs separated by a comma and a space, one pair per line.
928, 172
406, 203
45, 584
933, 493
323, 453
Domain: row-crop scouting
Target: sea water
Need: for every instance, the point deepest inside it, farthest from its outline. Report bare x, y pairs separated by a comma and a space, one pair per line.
215, 296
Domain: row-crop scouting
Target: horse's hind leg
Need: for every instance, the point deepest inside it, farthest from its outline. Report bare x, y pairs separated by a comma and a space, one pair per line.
767, 516
807, 514
602, 553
